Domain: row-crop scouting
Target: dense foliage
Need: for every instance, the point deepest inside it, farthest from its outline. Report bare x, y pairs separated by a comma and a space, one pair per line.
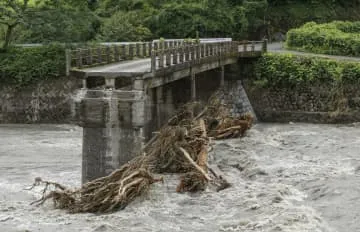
24, 66
283, 15
65, 21
42, 21
286, 70
336, 38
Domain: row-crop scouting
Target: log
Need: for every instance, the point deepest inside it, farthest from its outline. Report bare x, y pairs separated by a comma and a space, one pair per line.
203, 158
187, 156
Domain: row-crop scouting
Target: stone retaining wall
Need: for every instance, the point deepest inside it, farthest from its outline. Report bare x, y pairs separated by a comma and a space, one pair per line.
319, 103
46, 102
235, 97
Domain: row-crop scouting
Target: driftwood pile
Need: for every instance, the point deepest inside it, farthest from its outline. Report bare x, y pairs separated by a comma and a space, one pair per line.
181, 147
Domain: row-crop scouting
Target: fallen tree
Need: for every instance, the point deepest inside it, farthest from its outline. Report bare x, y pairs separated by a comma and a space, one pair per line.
181, 146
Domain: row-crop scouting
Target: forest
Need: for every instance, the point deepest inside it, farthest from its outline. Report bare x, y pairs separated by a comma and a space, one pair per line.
69, 21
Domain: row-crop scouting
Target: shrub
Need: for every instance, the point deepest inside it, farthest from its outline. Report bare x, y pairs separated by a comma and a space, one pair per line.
286, 70
124, 27
20, 67
336, 38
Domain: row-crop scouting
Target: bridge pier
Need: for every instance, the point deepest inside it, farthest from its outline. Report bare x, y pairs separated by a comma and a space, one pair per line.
222, 76
193, 86
113, 124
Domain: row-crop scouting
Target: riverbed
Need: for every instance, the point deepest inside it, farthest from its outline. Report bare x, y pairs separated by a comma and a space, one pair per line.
285, 177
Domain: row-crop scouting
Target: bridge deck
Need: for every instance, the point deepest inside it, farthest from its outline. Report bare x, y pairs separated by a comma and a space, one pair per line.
160, 61
123, 68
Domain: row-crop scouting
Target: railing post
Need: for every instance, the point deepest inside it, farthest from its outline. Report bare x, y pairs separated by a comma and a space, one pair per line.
237, 47
156, 46
187, 53
198, 54
78, 58
123, 52
264, 45
89, 57
175, 55
181, 55
153, 61
116, 54
192, 52
144, 50
168, 56
222, 76
99, 55
193, 86
108, 55
252, 46
202, 51
227, 48
68, 61
161, 58
131, 51
150, 47
207, 49
137, 52
234, 48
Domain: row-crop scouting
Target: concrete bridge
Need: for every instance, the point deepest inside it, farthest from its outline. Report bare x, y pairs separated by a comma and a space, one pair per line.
131, 89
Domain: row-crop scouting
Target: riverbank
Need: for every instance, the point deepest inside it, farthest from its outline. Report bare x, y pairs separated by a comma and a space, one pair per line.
286, 177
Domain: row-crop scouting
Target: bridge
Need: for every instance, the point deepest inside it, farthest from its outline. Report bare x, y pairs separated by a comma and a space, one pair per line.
131, 89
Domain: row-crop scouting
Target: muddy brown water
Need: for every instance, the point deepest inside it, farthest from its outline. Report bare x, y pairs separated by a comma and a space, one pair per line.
285, 177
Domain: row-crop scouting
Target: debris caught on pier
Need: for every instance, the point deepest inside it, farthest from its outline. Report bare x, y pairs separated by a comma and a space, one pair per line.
181, 146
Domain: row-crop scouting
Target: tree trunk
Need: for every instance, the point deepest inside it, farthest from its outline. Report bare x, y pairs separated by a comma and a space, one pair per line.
8, 35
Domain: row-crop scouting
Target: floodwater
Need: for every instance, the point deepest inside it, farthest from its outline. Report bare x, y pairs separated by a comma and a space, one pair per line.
285, 177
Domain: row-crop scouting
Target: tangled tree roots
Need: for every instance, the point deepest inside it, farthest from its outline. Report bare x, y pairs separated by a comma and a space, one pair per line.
181, 146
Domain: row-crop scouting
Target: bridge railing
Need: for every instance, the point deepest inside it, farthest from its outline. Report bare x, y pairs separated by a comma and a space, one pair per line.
163, 53
166, 57
107, 53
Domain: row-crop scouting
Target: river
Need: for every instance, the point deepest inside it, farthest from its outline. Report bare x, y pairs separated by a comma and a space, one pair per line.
285, 177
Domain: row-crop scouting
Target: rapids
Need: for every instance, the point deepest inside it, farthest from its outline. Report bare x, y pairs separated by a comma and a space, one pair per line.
285, 177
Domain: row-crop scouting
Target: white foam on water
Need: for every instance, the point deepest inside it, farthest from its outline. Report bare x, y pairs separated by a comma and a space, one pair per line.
284, 178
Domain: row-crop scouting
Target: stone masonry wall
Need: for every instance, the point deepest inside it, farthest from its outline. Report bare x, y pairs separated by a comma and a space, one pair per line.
46, 102
319, 103
235, 97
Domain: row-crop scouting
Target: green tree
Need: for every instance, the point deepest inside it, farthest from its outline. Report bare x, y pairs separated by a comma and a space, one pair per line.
12, 14
124, 27
60, 24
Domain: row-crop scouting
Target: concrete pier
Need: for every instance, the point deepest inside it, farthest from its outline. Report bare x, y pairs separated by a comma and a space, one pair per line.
113, 124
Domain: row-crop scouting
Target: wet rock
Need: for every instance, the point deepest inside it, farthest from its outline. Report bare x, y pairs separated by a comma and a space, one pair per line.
255, 172
277, 199
238, 167
255, 207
